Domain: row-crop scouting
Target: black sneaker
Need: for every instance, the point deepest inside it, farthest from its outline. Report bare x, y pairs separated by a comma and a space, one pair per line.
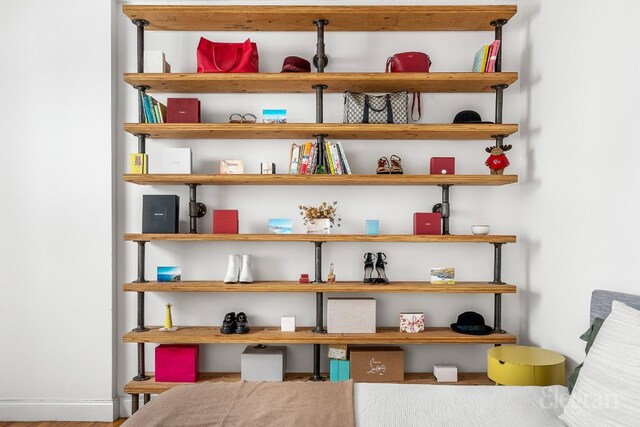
229, 325
242, 323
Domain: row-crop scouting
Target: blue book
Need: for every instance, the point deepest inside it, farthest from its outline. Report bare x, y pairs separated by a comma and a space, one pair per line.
147, 109
372, 227
334, 370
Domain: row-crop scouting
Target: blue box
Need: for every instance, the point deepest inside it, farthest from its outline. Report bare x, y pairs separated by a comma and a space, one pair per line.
169, 274
372, 227
339, 370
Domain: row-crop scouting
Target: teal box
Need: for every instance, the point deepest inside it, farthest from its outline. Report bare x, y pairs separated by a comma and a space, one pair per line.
339, 370
372, 227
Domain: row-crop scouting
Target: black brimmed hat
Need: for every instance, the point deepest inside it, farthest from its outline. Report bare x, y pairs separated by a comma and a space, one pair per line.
468, 116
471, 323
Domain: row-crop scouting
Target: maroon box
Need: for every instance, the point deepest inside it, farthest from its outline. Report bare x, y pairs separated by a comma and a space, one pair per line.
177, 363
225, 221
183, 110
427, 223
443, 166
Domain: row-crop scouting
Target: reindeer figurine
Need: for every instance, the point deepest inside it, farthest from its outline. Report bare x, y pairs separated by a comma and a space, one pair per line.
497, 161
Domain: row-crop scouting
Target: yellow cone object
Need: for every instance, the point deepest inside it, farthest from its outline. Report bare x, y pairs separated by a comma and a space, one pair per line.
168, 324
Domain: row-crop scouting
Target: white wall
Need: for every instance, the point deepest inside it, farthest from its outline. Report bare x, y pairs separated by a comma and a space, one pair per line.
394, 206
56, 251
579, 180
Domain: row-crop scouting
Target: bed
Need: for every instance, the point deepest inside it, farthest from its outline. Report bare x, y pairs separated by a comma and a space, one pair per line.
364, 405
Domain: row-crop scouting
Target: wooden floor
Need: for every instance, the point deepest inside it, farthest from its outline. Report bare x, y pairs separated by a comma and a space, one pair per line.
116, 423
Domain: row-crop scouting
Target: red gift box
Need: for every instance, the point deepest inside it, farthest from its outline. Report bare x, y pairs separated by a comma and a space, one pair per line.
177, 363
427, 223
183, 110
443, 166
225, 221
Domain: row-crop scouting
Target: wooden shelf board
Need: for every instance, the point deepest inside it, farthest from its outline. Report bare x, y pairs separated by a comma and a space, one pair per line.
271, 335
300, 18
152, 387
422, 131
449, 82
187, 237
283, 179
281, 286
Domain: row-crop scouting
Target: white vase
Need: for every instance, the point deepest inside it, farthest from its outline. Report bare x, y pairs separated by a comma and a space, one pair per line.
319, 226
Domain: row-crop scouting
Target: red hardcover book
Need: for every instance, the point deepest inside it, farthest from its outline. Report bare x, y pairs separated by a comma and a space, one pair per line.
493, 56
443, 166
427, 223
225, 221
183, 110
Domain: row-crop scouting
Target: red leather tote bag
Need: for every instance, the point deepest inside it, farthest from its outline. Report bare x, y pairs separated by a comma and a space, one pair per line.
214, 57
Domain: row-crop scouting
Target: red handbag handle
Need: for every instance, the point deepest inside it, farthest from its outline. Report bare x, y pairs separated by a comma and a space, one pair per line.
215, 63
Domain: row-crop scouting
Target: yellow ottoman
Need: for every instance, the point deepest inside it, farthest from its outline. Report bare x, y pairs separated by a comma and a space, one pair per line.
522, 365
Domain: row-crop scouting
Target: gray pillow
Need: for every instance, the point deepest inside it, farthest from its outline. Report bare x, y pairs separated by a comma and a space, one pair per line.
589, 336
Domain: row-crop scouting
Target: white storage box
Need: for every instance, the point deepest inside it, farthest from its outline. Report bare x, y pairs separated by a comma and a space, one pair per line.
351, 315
263, 363
445, 373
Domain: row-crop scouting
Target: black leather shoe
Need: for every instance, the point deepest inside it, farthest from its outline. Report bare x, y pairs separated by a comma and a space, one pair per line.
382, 274
242, 323
229, 325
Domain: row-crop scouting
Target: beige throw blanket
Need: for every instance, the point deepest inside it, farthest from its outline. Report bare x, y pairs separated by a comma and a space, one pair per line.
248, 404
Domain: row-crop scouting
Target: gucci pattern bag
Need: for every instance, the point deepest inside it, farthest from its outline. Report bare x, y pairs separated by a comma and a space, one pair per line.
363, 108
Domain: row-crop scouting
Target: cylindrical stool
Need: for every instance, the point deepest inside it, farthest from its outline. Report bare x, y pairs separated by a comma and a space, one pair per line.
522, 365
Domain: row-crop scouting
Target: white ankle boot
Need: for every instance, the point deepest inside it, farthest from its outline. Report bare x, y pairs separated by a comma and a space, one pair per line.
233, 271
246, 276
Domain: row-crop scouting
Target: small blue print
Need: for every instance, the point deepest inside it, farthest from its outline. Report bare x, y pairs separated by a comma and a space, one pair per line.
274, 116
280, 226
169, 274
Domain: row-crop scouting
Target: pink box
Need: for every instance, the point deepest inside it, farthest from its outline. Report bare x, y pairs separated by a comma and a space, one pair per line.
177, 363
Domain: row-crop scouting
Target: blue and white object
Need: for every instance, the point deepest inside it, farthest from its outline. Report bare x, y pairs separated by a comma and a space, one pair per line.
280, 226
372, 227
169, 274
274, 116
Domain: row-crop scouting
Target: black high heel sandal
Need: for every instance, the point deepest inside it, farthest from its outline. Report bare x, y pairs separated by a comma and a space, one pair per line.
382, 275
368, 268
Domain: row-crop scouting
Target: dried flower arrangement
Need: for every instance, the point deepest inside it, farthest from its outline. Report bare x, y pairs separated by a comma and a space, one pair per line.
323, 211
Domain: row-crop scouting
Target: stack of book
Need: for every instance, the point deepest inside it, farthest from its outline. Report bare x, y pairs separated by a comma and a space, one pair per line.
307, 158
154, 111
485, 59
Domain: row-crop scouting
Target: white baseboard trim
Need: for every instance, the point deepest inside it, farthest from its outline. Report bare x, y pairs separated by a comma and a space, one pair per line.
59, 410
125, 404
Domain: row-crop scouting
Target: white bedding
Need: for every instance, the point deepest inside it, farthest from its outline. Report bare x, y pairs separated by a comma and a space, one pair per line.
408, 405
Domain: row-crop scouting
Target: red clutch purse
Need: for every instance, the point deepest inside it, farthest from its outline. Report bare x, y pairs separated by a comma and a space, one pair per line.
216, 57
408, 62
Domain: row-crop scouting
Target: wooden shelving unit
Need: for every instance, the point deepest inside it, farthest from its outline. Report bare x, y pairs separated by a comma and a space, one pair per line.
335, 82
153, 387
237, 131
273, 335
247, 179
338, 287
319, 19
401, 238
300, 18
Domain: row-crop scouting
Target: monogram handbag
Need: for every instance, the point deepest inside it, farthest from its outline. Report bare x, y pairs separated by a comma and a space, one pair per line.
363, 108
410, 62
214, 57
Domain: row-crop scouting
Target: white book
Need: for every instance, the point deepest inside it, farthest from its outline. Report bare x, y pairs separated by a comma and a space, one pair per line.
337, 164
176, 160
154, 61
295, 155
343, 157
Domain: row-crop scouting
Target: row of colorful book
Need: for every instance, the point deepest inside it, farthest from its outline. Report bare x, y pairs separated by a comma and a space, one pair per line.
485, 59
305, 159
154, 111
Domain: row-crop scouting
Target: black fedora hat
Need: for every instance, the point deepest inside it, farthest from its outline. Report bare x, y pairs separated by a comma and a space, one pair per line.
468, 116
471, 323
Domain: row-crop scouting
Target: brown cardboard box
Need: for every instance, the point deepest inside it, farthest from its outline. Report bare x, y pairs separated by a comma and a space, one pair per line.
377, 364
